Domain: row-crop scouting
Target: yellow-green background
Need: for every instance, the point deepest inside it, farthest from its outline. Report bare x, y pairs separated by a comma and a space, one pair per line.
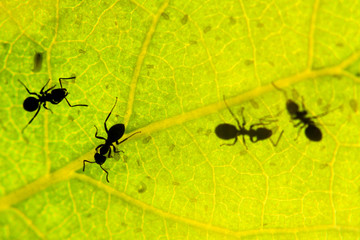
170, 63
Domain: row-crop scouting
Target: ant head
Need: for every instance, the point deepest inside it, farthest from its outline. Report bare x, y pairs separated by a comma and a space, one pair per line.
31, 104
226, 131
313, 133
99, 159
292, 107
263, 133
58, 95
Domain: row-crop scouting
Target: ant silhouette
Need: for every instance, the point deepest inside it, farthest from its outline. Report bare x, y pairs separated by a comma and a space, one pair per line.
113, 135
312, 132
228, 131
55, 97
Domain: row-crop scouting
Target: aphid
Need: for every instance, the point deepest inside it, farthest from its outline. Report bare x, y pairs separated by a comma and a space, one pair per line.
113, 135
54, 96
38, 58
312, 132
228, 131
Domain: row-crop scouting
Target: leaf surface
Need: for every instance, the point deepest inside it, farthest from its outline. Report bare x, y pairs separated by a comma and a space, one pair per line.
170, 63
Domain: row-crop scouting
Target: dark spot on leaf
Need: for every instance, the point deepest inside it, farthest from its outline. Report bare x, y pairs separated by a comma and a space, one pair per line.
208, 132
353, 105
232, 20
200, 130
138, 162
142, 188
176, 183
207, 29
171, 147
319, 101
243, 152
193, 200
116, 156
125, 158
71, 118
325, 165
137, 230
254, 104
295, 94
149, 66
193, 42
248, 62
147, 139
165, 16
272, 164
82, 51
260, 25
116, 23
340, 44
185, 19
38, 59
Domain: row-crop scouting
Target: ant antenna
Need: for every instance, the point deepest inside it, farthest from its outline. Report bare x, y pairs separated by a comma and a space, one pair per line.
107, 174
282, 90
84, 164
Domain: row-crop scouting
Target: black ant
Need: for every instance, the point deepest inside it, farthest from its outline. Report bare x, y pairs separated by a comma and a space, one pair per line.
227, 131
113, 135
55, 97
312, 132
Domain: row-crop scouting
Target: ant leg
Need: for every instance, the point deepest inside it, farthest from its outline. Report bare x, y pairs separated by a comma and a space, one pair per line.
127, 138
44, 105
116, 151
109, 155
107, 174
42, 89
84, 164
109, 116
32, 93
243, 138
98, 137
65, 78
237, 120
298, 124
275, 144
99, 147
32, 119
258, 124
243, 118
77, 105
299, 131
228, 144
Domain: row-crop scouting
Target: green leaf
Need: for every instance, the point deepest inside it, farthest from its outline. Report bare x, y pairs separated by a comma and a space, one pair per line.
170, 63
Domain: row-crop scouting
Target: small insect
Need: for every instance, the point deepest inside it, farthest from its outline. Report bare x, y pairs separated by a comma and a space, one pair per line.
227, 131
312, 132
113, 135
54, 96
38, 58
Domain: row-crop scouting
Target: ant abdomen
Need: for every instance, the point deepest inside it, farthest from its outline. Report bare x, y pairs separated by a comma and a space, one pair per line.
226, 131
